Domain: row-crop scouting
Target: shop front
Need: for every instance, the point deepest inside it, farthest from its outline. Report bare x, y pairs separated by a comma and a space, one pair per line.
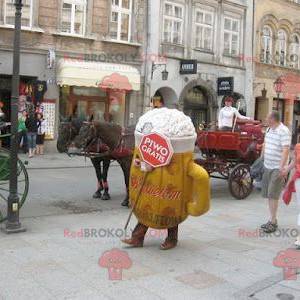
198, 89
98, 91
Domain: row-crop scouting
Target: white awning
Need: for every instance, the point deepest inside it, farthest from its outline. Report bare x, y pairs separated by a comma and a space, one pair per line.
94, 74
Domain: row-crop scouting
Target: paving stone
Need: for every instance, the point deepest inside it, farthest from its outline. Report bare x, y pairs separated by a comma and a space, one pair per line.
200, 279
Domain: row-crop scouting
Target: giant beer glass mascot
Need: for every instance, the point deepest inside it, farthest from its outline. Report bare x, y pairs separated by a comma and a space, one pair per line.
166, 186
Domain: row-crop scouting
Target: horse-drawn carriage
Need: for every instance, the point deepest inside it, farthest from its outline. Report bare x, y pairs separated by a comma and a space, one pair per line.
225, 155
228, 155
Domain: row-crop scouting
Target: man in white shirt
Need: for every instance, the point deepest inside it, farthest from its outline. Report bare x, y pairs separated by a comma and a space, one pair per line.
227, 114
275, 153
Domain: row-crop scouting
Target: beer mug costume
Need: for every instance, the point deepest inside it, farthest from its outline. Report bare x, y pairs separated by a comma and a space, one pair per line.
165, 196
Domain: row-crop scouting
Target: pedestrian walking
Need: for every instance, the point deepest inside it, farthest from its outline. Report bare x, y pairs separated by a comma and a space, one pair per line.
294, 186
32, 128
40, 134
22, 131
275, 154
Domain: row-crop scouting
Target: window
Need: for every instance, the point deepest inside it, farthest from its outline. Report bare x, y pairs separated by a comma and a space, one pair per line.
204, 29
267, 45
9, 13
173, 23
295, 52
73, 17
231, 36
281, 49
120, 20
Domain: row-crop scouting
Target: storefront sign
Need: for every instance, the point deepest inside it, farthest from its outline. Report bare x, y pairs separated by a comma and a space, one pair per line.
156, 150
188, 67
225, 86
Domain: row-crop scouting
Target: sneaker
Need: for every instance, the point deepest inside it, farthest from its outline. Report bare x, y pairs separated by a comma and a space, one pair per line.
272, 227
263, 226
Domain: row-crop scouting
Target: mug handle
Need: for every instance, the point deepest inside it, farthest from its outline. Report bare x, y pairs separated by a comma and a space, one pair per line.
200, 202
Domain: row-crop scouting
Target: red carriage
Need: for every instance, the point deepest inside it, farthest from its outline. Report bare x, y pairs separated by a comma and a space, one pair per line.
229, 155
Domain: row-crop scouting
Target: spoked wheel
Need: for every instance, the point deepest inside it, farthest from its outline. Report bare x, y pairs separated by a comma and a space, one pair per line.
240, 182
23, 182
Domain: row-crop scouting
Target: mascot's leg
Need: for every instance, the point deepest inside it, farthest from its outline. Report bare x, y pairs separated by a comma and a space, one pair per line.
97, 166
171, 240
125, 164
138, 235
106, 164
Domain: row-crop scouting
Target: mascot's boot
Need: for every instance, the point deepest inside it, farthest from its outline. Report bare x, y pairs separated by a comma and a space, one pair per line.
138, 235
171, 240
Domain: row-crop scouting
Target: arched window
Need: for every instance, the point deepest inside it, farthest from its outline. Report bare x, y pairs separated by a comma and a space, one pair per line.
295, 52
267, 45
281, 49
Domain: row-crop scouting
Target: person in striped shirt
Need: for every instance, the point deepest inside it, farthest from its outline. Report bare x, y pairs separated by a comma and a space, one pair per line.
275, 153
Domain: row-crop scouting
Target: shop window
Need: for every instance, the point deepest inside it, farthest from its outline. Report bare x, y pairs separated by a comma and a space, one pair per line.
267, 45
120, 20
117, 107
295, 52
281, 48
73, 17
231, 36
27, 12
173, 23
204, 30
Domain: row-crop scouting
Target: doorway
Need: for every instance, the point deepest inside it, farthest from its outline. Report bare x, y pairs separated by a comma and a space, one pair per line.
196, 106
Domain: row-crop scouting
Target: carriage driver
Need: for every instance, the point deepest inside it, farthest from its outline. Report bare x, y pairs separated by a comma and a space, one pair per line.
227, 114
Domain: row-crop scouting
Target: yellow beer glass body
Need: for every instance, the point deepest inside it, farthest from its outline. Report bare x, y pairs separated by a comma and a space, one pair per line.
171, 193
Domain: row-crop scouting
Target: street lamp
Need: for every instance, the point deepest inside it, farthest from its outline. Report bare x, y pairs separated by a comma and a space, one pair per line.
164, 73
278, 87
13, 224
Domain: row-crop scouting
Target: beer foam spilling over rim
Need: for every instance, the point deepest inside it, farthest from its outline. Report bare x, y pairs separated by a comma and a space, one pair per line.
169, 122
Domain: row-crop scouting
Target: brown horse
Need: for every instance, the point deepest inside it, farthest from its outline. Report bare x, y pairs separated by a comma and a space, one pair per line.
120, 144
68, 130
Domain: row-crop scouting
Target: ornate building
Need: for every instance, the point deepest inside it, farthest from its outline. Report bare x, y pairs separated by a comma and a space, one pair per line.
277, 55
200, 44
71, 46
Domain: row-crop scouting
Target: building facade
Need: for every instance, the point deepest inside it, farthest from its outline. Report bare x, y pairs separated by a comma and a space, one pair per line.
78, 57
202, 45
277, 55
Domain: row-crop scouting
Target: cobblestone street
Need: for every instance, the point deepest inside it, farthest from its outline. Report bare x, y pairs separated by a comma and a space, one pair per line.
219, 256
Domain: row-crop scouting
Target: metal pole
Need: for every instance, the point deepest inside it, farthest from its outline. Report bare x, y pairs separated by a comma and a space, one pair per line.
13, 225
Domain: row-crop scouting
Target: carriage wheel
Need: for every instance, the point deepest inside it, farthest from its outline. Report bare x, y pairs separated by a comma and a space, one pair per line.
240, 182
23, 183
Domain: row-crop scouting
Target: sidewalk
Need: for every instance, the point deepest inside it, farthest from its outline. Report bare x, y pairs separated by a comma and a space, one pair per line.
59, 161
56, 161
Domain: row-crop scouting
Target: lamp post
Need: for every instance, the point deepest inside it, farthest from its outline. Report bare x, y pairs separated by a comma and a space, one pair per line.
13, 224
278, 87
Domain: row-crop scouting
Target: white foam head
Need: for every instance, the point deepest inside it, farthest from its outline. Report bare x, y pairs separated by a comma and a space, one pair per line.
171, 123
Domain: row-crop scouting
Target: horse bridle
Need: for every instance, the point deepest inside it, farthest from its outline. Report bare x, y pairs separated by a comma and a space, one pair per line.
90, 143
